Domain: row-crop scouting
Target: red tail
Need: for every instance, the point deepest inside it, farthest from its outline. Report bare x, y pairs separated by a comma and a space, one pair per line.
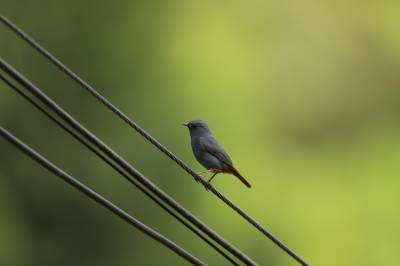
232, 170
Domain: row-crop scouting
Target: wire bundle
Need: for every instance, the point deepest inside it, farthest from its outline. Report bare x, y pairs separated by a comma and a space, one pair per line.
98, 198
124, 168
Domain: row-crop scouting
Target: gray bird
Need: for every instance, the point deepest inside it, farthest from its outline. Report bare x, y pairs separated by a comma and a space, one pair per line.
209, 153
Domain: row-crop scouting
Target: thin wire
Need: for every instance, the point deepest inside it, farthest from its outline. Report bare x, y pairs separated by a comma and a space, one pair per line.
150, 138
121, 172
98, 198
121, 162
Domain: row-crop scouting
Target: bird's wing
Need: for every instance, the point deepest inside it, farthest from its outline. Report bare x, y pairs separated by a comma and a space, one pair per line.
211, 145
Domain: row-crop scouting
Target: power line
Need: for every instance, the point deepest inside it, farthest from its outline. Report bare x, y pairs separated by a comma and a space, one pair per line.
150, 138
121, 172
98, 198
116, 168
122, 162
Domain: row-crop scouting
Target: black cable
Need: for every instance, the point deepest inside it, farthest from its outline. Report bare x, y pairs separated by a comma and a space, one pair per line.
121, 172
116, 168
98, 198
121, 162
150, 138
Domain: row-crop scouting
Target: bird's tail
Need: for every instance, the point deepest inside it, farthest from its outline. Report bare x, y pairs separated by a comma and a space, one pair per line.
238, 175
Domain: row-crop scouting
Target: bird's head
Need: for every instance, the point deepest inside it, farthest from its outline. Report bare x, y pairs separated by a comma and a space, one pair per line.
197, 127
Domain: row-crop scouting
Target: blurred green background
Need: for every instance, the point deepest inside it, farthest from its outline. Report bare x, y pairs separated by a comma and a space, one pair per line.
304, 95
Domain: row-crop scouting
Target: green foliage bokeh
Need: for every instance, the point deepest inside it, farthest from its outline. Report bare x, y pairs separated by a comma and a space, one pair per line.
304, 95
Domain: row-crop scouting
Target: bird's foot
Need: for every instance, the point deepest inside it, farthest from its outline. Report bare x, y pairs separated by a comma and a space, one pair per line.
198, 176
207, 186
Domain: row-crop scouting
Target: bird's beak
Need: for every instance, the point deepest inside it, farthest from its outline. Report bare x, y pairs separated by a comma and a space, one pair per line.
186, 125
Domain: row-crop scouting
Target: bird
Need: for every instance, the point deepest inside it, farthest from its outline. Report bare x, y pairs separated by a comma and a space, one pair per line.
209, 153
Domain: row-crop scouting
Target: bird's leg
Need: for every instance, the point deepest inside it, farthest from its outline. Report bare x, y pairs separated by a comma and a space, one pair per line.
212, 177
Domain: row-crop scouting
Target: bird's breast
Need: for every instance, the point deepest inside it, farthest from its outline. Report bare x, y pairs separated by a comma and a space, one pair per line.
205, 158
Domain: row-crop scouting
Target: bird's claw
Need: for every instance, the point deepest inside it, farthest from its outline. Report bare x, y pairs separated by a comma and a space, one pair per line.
207, 186
198, 177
